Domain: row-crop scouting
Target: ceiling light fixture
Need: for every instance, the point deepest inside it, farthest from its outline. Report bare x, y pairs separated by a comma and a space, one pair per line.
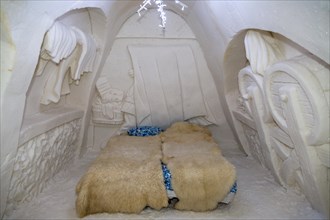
160, 4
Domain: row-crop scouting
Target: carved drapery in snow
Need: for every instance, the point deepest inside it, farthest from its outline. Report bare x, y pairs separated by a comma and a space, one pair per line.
262, 50
287, 109
73, 51
167, 86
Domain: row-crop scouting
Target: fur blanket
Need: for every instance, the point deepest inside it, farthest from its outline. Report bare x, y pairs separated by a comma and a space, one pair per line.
126, 177
201, 176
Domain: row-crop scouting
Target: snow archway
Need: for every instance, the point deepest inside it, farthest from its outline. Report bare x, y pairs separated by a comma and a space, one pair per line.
156, 57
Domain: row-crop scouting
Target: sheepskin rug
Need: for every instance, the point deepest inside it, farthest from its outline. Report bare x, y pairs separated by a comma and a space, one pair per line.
201, 176
126, 177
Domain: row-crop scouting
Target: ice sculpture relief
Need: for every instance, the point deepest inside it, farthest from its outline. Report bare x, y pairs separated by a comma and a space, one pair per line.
241, 106
39, 159
299, 106
108, 103
252, 93
288, 108
73, 51
262, 50
288, 166
254, 144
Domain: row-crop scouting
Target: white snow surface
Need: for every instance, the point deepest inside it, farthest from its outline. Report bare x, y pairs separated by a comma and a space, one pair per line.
259, 196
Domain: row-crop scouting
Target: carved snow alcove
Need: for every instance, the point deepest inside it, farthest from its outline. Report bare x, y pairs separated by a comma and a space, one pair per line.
54, 115
146, 73
280, 107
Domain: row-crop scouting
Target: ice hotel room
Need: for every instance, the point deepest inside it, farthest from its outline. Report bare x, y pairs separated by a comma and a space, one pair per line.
165, 109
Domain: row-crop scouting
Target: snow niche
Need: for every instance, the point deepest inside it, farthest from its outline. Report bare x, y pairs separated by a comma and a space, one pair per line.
172, 84
56, 105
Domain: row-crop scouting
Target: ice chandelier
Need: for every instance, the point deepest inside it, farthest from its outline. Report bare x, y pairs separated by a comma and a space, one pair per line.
160, 4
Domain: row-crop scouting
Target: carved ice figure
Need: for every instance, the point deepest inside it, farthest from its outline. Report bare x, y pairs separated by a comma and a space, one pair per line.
107, 105
73, 50
262, 50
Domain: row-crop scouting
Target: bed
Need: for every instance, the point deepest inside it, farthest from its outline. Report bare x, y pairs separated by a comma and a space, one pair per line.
183, 163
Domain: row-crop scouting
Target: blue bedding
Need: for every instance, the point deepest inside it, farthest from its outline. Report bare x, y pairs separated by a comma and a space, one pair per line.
144, 131
167, 177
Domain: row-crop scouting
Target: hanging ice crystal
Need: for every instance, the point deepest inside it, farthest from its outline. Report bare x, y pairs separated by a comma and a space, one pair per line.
160, 4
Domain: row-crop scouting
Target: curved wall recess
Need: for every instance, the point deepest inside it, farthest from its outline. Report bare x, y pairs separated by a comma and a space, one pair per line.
56, 109
69, 60
70, 49
166, 60
279, 101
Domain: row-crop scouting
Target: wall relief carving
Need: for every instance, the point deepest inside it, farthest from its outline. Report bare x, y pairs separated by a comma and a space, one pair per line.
107, 104
74, 53
283, 103
39, 159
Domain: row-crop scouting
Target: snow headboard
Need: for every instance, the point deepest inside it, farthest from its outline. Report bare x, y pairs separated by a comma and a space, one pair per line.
168, 87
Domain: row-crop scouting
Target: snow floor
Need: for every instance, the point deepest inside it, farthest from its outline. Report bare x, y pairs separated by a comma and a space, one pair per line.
258, 196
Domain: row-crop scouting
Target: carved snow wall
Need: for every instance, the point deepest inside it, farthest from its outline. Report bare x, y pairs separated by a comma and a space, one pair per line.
39, 159
282, 117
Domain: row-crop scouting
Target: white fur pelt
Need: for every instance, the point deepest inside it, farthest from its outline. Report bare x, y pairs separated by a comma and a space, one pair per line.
126, 177
201, 176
